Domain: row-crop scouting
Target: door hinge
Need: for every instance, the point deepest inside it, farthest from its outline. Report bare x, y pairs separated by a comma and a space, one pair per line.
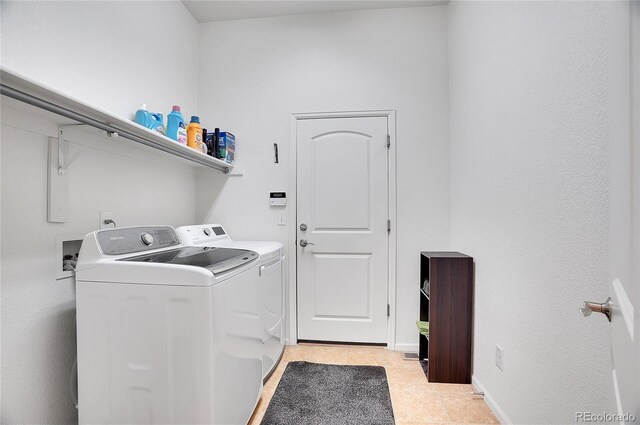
388, 225
388, 141
388, 310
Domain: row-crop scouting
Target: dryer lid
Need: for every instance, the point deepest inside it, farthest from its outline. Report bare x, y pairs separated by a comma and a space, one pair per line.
217, 260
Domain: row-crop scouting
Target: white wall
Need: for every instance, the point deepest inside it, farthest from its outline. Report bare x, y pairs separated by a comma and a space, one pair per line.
114, 55
529, 198
255, 73
92, 51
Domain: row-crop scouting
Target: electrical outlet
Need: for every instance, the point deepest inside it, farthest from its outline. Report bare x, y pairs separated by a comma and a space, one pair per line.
499, 357
107, 215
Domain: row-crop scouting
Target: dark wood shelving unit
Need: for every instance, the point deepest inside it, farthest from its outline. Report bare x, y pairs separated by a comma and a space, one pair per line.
447, 305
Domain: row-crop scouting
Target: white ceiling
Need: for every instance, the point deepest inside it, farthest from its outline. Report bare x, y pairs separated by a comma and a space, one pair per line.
228, 10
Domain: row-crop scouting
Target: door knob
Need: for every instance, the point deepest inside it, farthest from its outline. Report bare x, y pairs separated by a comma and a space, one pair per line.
303, 243
604, 308
303, 227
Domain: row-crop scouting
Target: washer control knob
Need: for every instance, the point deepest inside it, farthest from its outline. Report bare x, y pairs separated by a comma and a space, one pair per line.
146, 238
207, 231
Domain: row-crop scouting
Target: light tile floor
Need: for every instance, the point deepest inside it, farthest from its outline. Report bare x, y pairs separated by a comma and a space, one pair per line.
415, 401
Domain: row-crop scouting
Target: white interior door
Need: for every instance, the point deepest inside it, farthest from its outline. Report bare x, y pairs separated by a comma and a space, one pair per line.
343, 203
625, 216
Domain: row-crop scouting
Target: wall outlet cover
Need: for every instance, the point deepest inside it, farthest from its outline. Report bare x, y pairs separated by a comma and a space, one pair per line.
499, 357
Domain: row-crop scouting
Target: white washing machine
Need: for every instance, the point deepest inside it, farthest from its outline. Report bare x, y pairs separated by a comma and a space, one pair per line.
167, 334
271, 277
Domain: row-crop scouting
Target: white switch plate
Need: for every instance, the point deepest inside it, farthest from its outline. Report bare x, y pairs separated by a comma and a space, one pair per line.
106, 215
282, 218
499, 357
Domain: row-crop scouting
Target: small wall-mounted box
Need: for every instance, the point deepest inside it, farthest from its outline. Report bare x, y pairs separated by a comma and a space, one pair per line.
67, 249
278, 199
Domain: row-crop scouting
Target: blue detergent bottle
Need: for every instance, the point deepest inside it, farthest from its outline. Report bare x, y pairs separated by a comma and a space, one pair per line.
176, 128
150, 120
142, 116
156, 122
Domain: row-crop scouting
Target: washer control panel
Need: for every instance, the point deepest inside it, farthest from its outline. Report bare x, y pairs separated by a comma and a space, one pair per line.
202, 234
136, 239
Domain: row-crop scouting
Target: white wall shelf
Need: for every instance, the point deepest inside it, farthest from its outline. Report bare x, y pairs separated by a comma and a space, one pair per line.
26, 90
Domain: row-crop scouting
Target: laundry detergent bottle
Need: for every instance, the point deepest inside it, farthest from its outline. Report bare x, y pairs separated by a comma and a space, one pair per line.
194, 133
176, 128
142, 115
156, 122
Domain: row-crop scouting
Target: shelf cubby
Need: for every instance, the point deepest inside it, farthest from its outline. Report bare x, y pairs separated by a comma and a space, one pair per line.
445, 354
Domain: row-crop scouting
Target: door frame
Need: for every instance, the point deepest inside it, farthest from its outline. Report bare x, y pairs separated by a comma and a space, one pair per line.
292, 298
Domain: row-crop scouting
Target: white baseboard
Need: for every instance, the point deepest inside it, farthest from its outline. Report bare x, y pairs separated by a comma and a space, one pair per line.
491, 402
407, 348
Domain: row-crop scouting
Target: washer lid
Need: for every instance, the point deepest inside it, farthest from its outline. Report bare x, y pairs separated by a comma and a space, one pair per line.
217, 260
266, 249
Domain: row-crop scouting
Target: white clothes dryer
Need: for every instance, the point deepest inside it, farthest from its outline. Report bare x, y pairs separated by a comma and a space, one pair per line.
271, 278
166, 333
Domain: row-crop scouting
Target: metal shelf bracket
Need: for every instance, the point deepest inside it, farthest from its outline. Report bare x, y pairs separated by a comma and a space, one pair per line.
63, 161
57, 181
59, 161
61, 145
